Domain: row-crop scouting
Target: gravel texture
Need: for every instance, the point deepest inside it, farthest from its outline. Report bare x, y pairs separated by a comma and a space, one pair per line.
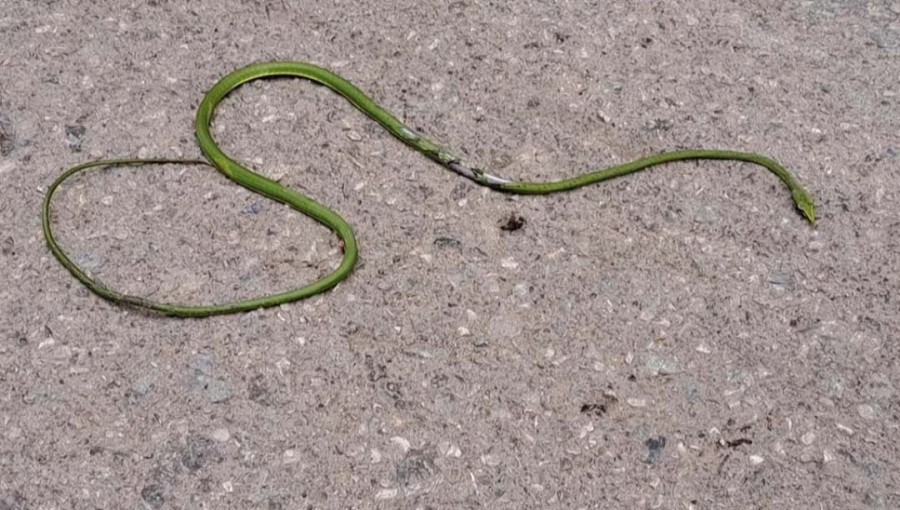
678, 339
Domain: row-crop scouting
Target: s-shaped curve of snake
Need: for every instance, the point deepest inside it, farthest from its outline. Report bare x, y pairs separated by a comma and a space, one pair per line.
272, 189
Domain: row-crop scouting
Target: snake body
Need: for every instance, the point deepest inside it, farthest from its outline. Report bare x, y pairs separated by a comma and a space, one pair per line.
272, 189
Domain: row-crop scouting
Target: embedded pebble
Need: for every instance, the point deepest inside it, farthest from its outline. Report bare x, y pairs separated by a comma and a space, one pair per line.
290, 456
403, 443
845, 429
636, 402
866, 411
153, 495
658, 367
779, 279
756, 460
142, 386
808, 438
449, 449
706, 215
217, 391
221, 435
13, 433
502, 326
90, 261
386, 494
75, 137
202, 364
655, 447
509, 263
491, 459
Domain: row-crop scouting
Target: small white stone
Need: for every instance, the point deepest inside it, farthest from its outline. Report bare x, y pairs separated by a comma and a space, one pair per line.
585, 430
463, 331
491, 459
282, 365
290, 456
228, 486
845, 429
386, 494
808, 438
827, 456
636, 402
556, 253
402, 442
756, 460
779, 448
353, 135
703, 348
221, 435
866, 411
509, 263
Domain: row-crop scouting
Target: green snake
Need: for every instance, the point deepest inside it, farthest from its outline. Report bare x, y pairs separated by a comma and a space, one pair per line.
272, 189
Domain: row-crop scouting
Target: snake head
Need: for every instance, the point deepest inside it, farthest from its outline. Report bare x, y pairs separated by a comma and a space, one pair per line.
804, 201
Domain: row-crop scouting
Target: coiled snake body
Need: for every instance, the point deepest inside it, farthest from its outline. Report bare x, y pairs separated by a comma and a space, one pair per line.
264, 186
